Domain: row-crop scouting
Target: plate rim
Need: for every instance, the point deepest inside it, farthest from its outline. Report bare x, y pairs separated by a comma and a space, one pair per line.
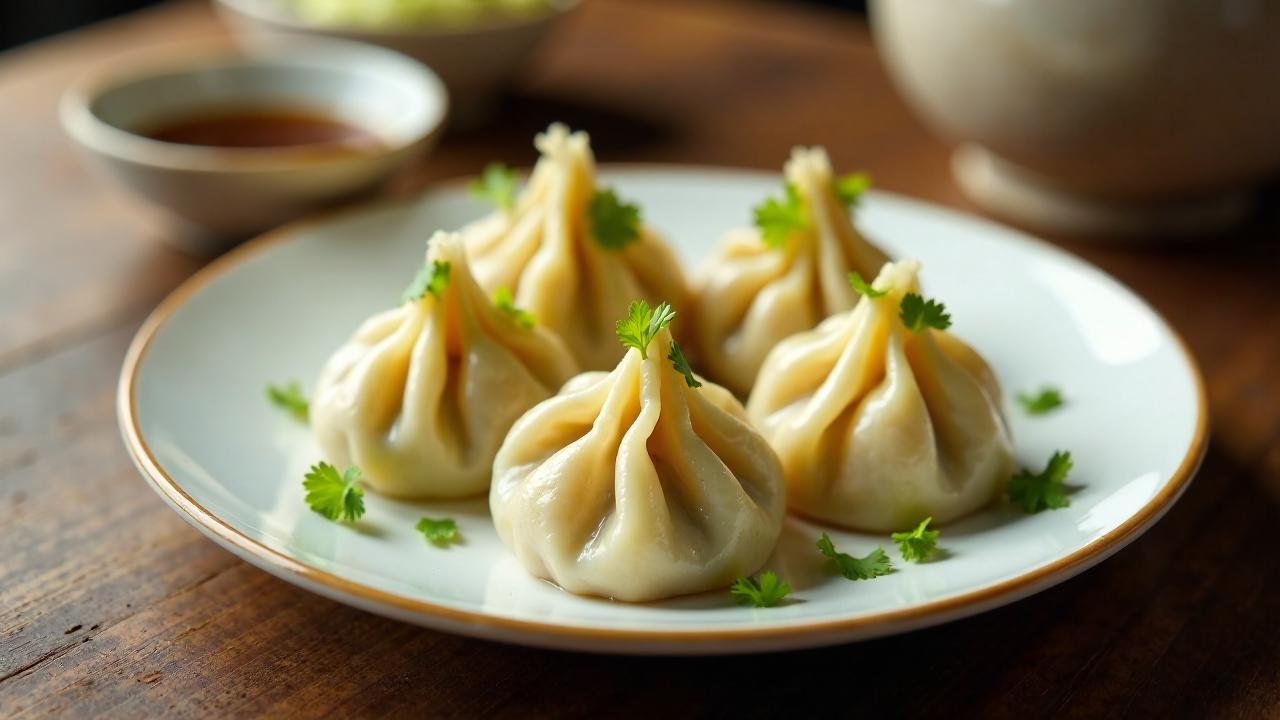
552, 634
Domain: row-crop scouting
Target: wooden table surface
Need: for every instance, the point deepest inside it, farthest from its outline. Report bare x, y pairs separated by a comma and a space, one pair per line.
112, 605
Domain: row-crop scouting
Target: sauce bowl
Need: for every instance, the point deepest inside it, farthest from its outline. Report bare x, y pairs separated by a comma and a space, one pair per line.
236, 191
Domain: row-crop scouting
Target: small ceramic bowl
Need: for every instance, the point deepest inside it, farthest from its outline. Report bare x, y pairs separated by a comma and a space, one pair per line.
237, 191
473, 58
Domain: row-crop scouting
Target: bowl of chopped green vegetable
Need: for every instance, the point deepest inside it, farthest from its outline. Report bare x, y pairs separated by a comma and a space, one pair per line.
475, 46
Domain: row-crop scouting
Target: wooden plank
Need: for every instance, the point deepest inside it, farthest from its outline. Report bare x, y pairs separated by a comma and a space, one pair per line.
85, 544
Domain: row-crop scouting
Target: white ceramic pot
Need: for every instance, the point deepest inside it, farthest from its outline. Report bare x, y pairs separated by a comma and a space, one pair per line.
1095, 116
474, 59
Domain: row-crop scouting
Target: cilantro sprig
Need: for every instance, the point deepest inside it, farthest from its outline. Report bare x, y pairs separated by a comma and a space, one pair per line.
681, 364
504, 302
431, 278
335, 496
863, 287
765, 592
918, 544
875, 564
849, 188
441, 533
642, 325
777, 219
496, 184
614, 223
1046, 490
290, 399
918, 313
1046, 400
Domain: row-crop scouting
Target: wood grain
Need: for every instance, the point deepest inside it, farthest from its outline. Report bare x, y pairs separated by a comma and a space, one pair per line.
111, 606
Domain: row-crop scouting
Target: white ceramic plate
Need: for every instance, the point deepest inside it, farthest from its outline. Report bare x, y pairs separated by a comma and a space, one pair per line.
193, 414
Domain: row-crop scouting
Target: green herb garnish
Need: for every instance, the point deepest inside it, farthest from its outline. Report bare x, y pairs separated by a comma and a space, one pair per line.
766, 592
777, 219
863, 287
432, 278
918, 313
334, 496
440, 533
1043, 491
849, 188
504, 302
1047, 400
875, 564
290, 399
642, 325
497, 184
614, 223
681, 364
918, 544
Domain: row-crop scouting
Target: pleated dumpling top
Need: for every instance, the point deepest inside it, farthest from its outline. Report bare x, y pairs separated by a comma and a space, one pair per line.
640, 483
881, 419
421, 397
782, 276
572, 253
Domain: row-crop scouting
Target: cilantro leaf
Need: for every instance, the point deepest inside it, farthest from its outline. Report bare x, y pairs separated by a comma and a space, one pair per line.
1046, 400
433, 278
504, 302
849, 188
918, 313
681, 364
918, 544
777, 219
875, 564
440, 532
765, 592
290, 399
497, 184
1045, 491
334, 496
642, 325
614, 223
863, 287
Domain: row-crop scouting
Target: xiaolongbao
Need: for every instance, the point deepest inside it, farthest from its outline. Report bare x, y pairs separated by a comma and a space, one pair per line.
784, 276
421, 396
572, 253
640, 483
880, 417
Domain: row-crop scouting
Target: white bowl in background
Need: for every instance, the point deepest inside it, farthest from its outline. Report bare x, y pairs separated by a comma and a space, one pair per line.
1096, 116
474, 59
235, 191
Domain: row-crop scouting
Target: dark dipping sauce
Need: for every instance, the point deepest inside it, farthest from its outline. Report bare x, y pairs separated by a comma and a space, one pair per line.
264, 128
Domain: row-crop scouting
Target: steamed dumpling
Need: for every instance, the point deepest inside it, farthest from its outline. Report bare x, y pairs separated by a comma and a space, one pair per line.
632, 485
547, 252
878, 426
421, 396
749, 295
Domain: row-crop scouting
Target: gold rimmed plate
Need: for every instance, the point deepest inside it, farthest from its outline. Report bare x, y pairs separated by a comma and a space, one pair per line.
193, 416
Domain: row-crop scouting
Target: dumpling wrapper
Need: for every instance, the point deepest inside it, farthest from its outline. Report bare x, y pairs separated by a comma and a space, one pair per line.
632, 485
543, 252
879, 427
749, 296
421, 397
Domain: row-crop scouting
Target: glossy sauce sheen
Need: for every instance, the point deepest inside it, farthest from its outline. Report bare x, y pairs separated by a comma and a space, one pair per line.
264, 128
